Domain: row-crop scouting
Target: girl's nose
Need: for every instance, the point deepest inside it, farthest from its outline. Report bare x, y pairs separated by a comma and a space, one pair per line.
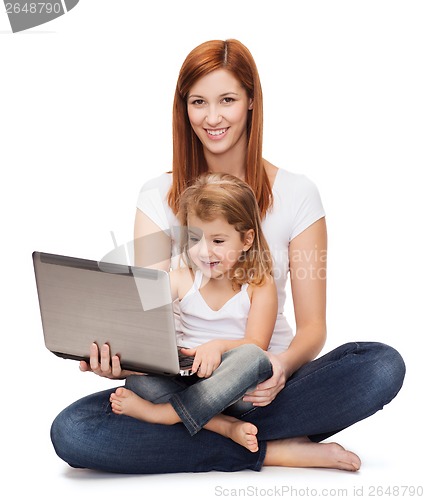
203, 248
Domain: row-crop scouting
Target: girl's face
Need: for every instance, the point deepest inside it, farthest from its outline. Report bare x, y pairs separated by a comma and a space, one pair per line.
217, 107
215, 246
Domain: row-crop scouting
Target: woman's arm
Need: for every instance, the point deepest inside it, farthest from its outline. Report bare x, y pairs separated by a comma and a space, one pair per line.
152, 246
307, 261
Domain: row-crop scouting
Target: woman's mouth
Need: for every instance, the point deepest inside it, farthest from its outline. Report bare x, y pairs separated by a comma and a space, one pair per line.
217, 133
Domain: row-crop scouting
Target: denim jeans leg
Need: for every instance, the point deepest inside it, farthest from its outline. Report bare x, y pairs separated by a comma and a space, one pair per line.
87, 434
154, 388
240, 409
333, 392
241, 369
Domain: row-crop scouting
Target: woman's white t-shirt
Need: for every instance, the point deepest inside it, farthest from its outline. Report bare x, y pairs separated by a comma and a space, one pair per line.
296, 205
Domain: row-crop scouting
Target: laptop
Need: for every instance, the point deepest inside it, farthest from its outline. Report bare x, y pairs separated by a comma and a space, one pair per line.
130, 308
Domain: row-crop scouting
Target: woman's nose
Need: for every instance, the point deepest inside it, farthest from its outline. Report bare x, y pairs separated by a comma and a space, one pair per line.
213, 117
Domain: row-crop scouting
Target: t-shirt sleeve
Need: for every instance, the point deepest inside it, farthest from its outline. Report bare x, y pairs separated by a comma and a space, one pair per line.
152, 199
308, 207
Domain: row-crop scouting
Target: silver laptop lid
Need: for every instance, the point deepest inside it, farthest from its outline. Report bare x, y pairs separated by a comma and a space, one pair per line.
83, 301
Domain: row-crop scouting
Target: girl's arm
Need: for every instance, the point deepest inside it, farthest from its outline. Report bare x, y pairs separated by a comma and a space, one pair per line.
307, 257
262, 315
180, 282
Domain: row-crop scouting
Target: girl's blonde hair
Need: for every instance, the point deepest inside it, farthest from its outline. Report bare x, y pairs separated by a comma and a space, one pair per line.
223, 195
188, 156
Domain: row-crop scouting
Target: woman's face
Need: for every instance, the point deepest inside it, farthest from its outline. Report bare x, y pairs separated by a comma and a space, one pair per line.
218, 106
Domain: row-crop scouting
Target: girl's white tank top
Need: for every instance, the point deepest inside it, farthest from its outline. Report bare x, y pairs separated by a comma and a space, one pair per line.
199, 323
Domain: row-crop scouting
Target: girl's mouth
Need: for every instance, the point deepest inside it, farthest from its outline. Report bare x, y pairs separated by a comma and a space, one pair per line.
211, 264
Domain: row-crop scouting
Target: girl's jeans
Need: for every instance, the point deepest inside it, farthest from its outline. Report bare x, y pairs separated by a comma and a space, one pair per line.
196, 400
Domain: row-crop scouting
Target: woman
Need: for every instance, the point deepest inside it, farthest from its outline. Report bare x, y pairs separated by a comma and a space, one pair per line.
217, 127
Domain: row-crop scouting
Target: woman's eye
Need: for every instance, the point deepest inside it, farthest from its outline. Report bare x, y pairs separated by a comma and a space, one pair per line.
228, 100
198, 102
218, 242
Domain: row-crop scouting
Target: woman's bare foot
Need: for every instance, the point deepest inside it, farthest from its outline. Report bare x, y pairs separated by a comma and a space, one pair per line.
301, 452
126, 402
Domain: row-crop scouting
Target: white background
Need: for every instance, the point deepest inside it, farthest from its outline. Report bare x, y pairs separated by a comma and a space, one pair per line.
85, 119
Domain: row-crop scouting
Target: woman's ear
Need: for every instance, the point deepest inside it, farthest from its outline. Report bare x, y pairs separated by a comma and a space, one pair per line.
251, 103
248, 240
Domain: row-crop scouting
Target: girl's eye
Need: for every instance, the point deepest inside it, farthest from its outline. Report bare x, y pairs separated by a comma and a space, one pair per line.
218, 242
228, 100
198, 102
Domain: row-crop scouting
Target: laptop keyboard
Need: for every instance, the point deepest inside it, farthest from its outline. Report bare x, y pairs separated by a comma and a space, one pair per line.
185, 361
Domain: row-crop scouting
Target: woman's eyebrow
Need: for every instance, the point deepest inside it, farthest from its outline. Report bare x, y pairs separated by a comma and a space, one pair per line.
191, 96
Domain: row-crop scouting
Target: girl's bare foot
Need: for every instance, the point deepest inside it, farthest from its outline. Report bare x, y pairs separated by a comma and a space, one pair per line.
301, 452
244, 433
126, 402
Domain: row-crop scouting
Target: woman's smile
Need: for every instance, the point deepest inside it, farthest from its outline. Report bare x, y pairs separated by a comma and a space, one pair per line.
217, 134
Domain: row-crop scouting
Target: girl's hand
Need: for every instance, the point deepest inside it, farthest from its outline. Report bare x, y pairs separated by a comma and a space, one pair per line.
107, 367
265, 392
207, 358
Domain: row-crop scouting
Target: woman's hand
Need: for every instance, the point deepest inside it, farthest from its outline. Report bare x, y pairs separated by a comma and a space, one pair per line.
207, 358
265, 392
107, 367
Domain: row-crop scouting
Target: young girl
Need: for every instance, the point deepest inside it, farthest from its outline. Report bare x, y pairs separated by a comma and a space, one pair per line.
227, 300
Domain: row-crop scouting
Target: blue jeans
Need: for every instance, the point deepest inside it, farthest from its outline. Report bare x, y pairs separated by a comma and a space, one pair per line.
323, 397
197, 400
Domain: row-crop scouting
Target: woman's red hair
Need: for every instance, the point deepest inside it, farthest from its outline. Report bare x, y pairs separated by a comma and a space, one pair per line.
188, 157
